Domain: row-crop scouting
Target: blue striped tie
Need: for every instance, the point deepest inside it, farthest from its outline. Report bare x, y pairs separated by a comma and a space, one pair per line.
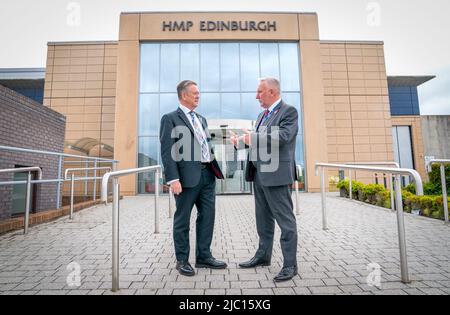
201, 139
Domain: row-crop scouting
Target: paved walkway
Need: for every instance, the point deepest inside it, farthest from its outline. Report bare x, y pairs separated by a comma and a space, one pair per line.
47, 260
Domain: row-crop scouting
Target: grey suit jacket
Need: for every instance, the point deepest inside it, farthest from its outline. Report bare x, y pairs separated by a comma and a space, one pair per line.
188, 170
272, 152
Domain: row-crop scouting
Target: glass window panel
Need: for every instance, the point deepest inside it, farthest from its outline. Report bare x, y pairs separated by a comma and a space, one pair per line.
299, 151
209, 67
405, 147
168, 103
148, 114
170, 67
294, 100
249, 54
289, 69
210, 105
250, 107
269, 60
149, 81
231, 106
190, 62
148, 156
229, 67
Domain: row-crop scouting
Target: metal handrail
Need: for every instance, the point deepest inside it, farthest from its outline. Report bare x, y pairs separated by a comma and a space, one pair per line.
7, 148
115, 211
48, 181
398, 193
61, 156
391, 182
72, 182
442, 163
28, 193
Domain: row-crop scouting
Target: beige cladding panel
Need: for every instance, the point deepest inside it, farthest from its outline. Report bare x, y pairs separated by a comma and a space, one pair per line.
151, 26
125, 136
80, 89
314, 111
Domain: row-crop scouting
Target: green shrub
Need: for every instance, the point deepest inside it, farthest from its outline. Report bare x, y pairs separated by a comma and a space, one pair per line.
411, 188
429, 205
435, 178
370, 191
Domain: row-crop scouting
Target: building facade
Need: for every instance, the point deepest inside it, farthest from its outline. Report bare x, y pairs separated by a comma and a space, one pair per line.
114, 93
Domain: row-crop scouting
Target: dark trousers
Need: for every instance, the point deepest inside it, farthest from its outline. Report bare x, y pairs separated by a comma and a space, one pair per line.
275, 204
203, 196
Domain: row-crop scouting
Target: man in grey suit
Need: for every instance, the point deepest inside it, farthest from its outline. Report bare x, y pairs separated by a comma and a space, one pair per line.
276, 131
191, 170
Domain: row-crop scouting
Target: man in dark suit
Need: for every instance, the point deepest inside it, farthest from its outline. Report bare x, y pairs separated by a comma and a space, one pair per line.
276, 131
191, 170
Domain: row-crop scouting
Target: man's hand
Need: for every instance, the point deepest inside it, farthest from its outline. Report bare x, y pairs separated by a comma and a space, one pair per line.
247, 139
234, 138
176, 187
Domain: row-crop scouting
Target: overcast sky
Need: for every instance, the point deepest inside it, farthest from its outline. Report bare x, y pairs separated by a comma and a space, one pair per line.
415, 32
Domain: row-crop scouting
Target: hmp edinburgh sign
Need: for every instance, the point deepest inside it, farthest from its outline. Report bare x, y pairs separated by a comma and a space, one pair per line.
221, 26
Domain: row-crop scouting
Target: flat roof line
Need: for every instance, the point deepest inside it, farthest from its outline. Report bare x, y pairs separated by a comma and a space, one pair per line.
263, 12
364, 42
82, 43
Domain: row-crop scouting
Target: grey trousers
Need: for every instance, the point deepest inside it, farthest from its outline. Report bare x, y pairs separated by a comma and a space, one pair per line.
275, 204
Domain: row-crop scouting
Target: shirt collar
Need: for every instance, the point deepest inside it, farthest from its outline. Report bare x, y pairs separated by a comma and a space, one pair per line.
185, 109
274, 105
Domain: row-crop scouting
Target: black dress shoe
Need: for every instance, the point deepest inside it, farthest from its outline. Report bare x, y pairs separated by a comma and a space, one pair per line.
210, 263
255, 262
286, 273
185, 269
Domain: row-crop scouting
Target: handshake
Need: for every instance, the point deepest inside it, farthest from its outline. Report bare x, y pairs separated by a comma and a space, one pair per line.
245, 138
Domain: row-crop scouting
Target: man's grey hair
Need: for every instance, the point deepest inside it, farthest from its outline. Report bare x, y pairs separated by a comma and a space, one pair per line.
271, 82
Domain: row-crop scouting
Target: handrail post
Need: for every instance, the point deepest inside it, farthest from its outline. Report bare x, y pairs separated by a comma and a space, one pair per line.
350, 190
157, 202
391, 183
58, 189
27, 204
115, 235
86, 181
95, 181
72, 184
401, 231
322, 188
444, 192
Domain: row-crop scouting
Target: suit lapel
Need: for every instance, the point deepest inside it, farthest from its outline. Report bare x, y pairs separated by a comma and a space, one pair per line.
258, 121
274, 114
186, 121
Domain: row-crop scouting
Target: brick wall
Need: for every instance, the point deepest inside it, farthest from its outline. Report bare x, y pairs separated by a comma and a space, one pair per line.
28, 124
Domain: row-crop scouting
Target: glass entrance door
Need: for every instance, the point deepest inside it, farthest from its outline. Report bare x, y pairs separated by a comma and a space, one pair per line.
231, 161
